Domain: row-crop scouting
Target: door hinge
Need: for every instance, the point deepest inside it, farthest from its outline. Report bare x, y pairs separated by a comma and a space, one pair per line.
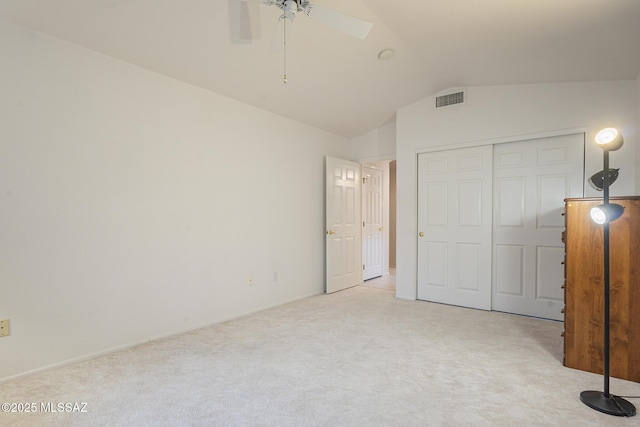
363, 266
363, 223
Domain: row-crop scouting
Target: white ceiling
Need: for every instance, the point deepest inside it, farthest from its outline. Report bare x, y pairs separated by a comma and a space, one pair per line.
335, 81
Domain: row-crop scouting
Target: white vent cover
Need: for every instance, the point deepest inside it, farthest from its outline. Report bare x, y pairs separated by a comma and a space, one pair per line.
450, 99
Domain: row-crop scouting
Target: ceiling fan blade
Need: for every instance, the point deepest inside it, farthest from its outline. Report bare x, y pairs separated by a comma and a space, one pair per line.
350, 25
244, 21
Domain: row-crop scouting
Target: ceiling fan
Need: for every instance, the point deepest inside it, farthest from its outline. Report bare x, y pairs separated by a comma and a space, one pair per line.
245, 21
244, 17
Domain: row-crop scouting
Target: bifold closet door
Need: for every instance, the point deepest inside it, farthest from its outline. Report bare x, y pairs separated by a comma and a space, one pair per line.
454, 226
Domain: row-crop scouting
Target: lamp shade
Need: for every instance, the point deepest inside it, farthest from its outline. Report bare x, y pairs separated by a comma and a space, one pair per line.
597, 179
609, 139
603, 214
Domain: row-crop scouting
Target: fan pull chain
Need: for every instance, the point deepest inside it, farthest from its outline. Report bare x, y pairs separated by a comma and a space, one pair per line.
285, 50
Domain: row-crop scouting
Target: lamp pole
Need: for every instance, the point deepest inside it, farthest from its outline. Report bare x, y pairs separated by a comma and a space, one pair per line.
607, 283
604, 401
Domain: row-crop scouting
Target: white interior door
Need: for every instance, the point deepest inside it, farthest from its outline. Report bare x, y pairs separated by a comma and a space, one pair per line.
531, 180
372, 241
454, 224
342, 220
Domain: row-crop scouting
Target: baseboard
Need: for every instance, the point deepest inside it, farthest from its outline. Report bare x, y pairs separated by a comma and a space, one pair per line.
147, 341
73, 360
228, 319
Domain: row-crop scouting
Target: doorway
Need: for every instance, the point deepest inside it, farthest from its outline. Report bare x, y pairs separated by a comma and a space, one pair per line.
344, 223
379, 256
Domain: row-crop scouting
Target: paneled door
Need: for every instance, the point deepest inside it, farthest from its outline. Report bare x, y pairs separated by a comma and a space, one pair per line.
342, 219
531, 180
454, 227
372, 244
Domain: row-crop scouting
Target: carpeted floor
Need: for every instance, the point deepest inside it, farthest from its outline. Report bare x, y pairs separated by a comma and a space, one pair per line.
359, 357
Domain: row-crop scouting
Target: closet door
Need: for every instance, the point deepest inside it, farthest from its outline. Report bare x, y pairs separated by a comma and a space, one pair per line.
454, 225
531, 180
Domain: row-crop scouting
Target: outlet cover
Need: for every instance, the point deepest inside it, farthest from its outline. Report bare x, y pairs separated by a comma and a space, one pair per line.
4, 327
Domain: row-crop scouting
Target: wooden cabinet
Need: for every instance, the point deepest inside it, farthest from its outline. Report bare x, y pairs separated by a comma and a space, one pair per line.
584, 289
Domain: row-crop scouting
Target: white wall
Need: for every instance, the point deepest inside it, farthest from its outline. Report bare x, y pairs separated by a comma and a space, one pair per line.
392, 214
379, 144
133, 206
637, 192
507, 113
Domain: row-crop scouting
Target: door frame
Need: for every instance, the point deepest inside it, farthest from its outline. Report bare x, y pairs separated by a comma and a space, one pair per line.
376, 162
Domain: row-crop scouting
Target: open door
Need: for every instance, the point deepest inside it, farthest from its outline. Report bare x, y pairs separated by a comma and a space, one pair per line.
372, 237
342, 220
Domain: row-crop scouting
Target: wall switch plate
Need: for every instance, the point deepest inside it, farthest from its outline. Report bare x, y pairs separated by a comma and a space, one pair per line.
4, 327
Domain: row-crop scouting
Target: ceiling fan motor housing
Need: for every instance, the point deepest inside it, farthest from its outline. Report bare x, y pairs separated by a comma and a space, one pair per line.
350, 25
290, 7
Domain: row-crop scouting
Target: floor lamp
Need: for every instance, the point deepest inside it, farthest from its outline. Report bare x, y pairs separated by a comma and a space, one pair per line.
608, 139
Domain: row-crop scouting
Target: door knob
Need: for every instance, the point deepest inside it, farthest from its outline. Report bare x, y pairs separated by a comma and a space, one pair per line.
331, 232
421, 234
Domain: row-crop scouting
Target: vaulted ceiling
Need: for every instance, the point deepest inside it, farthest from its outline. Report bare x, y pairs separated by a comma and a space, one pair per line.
335, 81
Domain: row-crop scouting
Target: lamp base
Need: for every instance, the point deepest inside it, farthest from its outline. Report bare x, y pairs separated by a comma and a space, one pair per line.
612, 405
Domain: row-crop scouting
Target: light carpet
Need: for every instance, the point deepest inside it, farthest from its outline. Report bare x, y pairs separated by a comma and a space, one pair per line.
359, 357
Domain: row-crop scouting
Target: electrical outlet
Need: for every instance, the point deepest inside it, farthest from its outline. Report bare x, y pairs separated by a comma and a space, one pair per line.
4, 327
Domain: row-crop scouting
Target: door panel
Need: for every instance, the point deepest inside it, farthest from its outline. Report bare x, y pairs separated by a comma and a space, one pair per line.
342, 220
509, 279
531, 180
435, 273
468, 255
548, 270
454, 219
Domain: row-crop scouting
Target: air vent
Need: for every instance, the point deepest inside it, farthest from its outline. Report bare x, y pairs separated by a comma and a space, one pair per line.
450, 99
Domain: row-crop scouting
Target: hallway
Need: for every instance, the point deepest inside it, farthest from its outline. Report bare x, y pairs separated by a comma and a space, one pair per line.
387, 281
